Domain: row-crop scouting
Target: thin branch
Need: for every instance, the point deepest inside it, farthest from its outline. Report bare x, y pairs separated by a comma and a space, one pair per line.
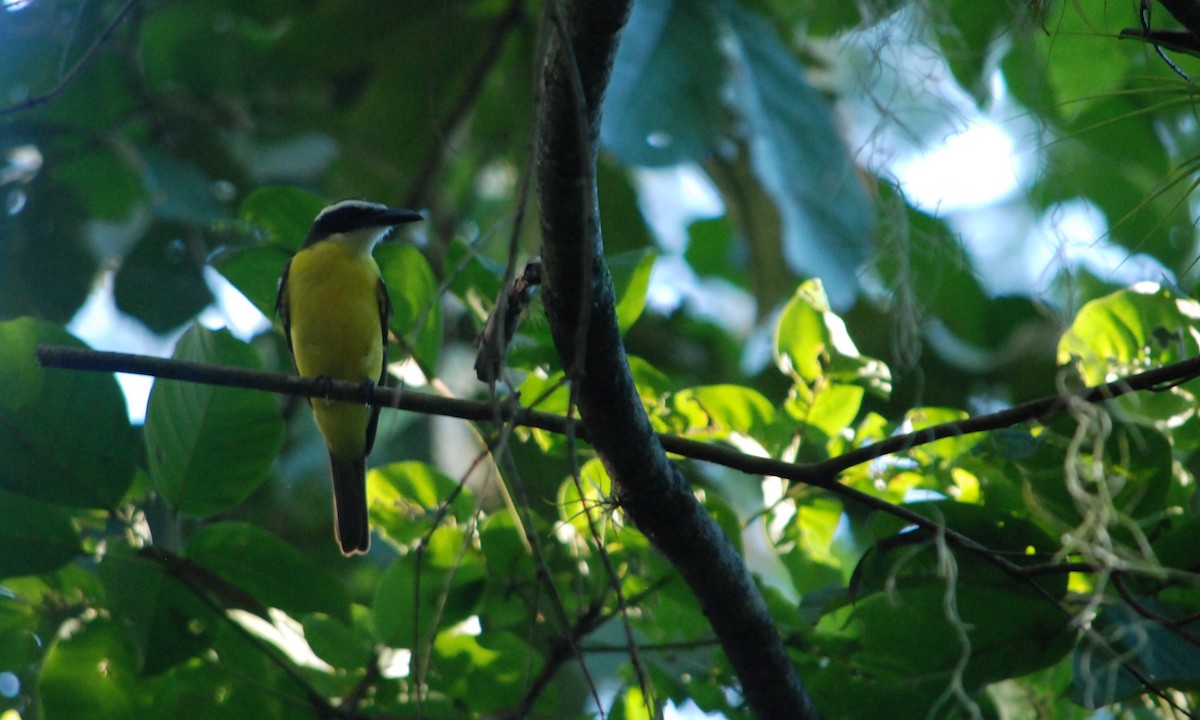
822, 474
502, 27
82, 62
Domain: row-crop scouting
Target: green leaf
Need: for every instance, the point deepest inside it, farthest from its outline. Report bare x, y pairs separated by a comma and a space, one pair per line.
910, 634
269, 569
1133, 641
911, 556
1137, 472
255, 272
811, 342
801, 335
711, 250
283, 213
966, 36
35, 537
633, 705
161, 282
115, 198
833, 408
930, 265
490, 672
64, 434
716, 411
20, 643
631, 278
181, 189
1113, 156
504, 547
924, 597
664, 105
943, 451
799, 156
621, 215
406, 497
591, 498
210, 447
46, 269
339, 644
416, 308
1177, 547
90, 673
1129, 331
446, 588
165, 621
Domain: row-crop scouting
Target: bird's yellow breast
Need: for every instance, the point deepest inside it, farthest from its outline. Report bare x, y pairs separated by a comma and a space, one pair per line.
336, 331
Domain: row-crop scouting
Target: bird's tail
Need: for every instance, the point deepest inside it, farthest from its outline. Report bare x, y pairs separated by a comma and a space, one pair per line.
350, 503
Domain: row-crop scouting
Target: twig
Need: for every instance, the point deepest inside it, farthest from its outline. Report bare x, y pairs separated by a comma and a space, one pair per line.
70, 74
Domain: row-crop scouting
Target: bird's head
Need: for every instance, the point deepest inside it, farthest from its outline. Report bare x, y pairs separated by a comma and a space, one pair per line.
357, 222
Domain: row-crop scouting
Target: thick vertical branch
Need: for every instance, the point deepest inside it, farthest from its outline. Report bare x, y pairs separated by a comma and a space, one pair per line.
579, 301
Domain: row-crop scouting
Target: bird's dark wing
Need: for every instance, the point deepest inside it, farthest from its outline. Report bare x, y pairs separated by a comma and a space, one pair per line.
282, 309
385, 312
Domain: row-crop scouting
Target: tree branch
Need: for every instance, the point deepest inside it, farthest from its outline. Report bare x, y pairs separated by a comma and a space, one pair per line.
82, 62
823, 474
579, 301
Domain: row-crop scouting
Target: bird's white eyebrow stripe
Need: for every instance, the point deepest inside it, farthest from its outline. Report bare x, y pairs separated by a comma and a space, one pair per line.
351, 215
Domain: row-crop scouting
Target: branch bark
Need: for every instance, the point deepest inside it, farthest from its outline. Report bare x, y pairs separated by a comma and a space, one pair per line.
579, 301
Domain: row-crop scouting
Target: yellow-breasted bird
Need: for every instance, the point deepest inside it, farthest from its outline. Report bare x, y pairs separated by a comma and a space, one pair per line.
335, 308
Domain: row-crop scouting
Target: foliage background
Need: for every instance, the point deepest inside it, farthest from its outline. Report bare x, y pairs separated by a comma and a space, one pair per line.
154, 148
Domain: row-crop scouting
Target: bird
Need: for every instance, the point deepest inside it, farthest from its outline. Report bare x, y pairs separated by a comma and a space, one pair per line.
334, 307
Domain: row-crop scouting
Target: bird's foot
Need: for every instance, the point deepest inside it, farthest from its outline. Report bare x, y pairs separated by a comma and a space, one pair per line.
325, 383
368, 390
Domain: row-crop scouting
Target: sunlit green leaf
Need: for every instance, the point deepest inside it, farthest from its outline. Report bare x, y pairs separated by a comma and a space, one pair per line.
716, 411
90, 673
946, 449
586, 504
833, 408
631, 278
406, 497
1130, 330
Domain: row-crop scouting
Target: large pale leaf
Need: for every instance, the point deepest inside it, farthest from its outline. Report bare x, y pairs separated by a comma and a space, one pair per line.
663, 104
799, 156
